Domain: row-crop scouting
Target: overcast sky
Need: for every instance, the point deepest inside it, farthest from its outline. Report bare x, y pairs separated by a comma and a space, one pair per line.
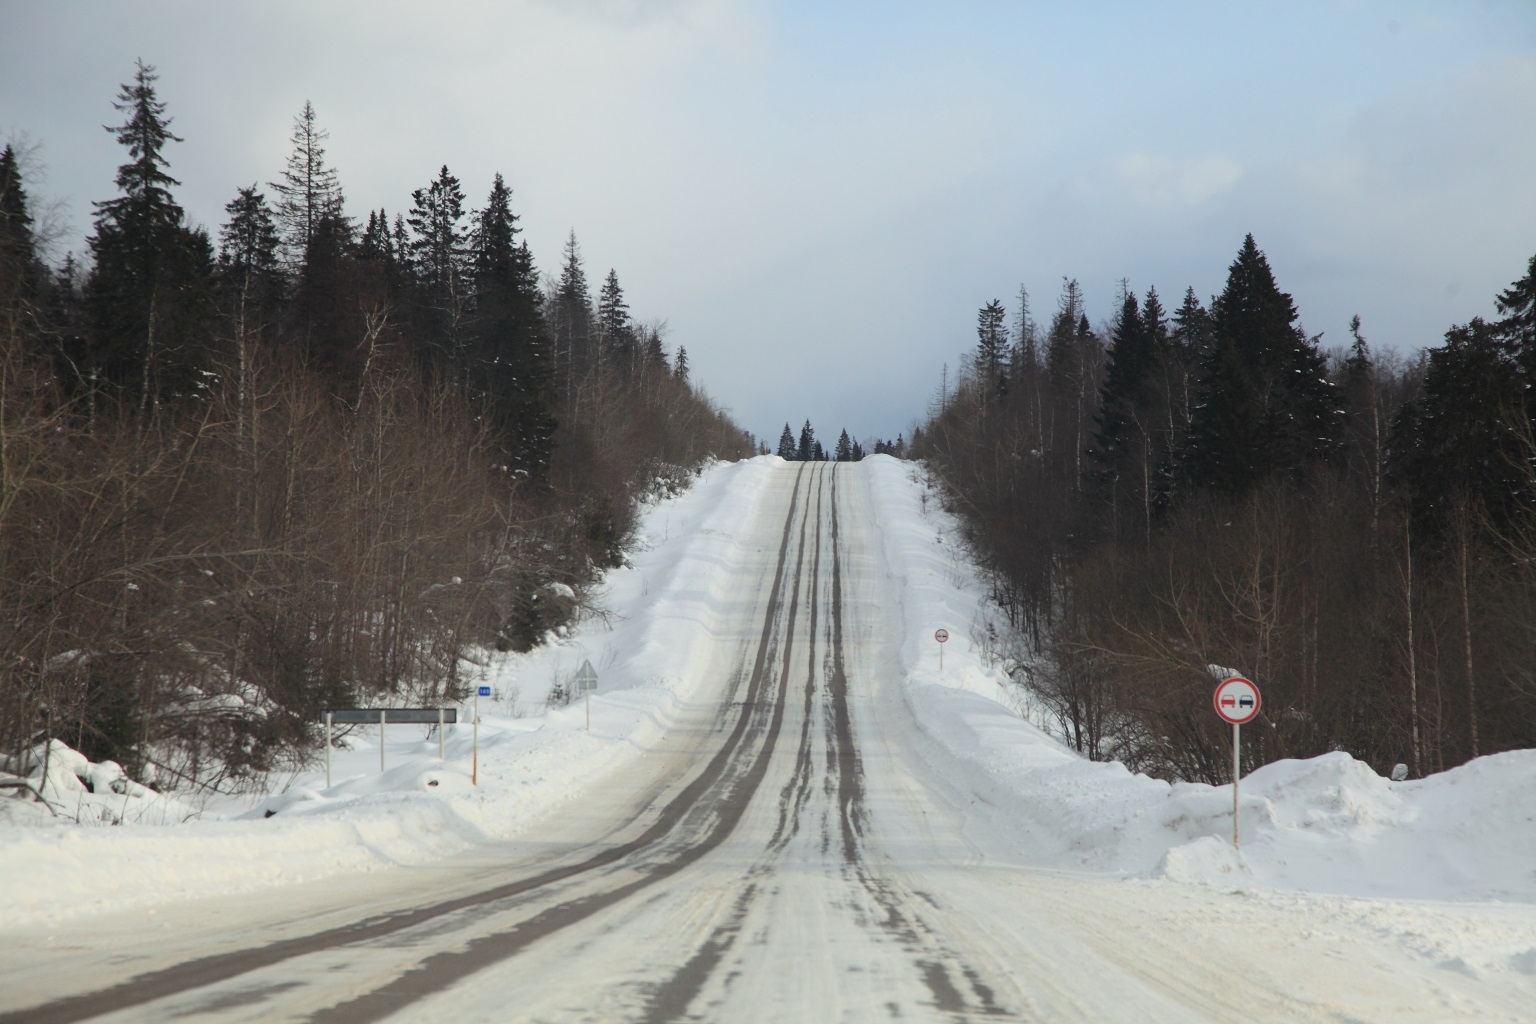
817, 196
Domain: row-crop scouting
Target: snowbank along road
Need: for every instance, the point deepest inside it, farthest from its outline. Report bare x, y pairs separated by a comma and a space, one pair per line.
790, 850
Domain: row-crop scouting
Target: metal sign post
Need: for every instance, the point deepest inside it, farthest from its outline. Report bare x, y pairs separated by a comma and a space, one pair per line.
1237, 701
382, 717
474, 764
586, 681
942, 636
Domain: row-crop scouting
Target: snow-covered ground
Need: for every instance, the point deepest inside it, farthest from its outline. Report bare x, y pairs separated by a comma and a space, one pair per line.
1444, 868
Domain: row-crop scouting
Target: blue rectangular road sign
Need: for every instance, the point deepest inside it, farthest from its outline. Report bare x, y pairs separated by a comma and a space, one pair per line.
485, 691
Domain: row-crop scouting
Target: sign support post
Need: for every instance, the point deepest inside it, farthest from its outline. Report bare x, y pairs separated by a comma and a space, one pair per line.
1237, 770
1237, 701
942, 636
586, 679
474, 763
439, 716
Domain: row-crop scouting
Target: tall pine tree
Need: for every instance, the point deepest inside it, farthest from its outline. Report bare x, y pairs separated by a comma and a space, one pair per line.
440, 256
1456, 446
1518, 328
21, 273
572, 316
616, 334
1125, 450
150, 297
309, 190
992, 349
250, 275
787, 445
512, 350
1265, 404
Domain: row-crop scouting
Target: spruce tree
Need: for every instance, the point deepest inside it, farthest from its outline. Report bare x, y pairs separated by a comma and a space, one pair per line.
654, 357
309, 190
149, 295
512, 350
249, 283
1061, 362
248, 241
1130, 361
440, 257
1188, 343
1192, 325
787, 448
680, 365
1518, 327
991, 347
250, 275
21, 273
613, 323
1265, 404
328, 312
376, 245
572, 314
1025, 331
844, 447
806, 449
1123, 450
1457, 443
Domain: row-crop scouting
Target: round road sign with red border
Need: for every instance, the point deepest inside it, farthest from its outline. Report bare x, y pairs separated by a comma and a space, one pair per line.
942, 636
1237, 700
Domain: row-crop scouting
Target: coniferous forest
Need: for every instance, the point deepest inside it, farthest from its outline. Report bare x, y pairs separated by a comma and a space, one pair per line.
308, 458
1202, 488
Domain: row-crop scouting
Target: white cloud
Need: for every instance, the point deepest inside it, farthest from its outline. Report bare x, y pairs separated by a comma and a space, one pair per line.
1162, 182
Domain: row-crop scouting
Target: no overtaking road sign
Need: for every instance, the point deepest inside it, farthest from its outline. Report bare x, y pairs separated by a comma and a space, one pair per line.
1236, 700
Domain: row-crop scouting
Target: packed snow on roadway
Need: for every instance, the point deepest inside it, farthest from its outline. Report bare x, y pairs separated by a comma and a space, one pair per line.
1444, 866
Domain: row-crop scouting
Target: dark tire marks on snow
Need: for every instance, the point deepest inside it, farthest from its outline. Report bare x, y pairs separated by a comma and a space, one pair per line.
722, 790
956, 989
931, 955
731, 788
669, 1000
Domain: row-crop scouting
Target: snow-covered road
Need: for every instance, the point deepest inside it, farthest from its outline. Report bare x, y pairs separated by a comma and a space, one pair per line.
802, 842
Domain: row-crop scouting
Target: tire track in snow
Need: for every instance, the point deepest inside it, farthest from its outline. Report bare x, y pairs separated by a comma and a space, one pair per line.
937, 963
669, 1000
731, 777
736, 782
956, 989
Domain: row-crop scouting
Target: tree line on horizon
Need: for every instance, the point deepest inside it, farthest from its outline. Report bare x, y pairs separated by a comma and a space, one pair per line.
807, 448
306, 460
1207, 489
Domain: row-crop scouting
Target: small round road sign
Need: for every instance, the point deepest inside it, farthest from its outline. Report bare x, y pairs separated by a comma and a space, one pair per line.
941, 636
1236, 700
